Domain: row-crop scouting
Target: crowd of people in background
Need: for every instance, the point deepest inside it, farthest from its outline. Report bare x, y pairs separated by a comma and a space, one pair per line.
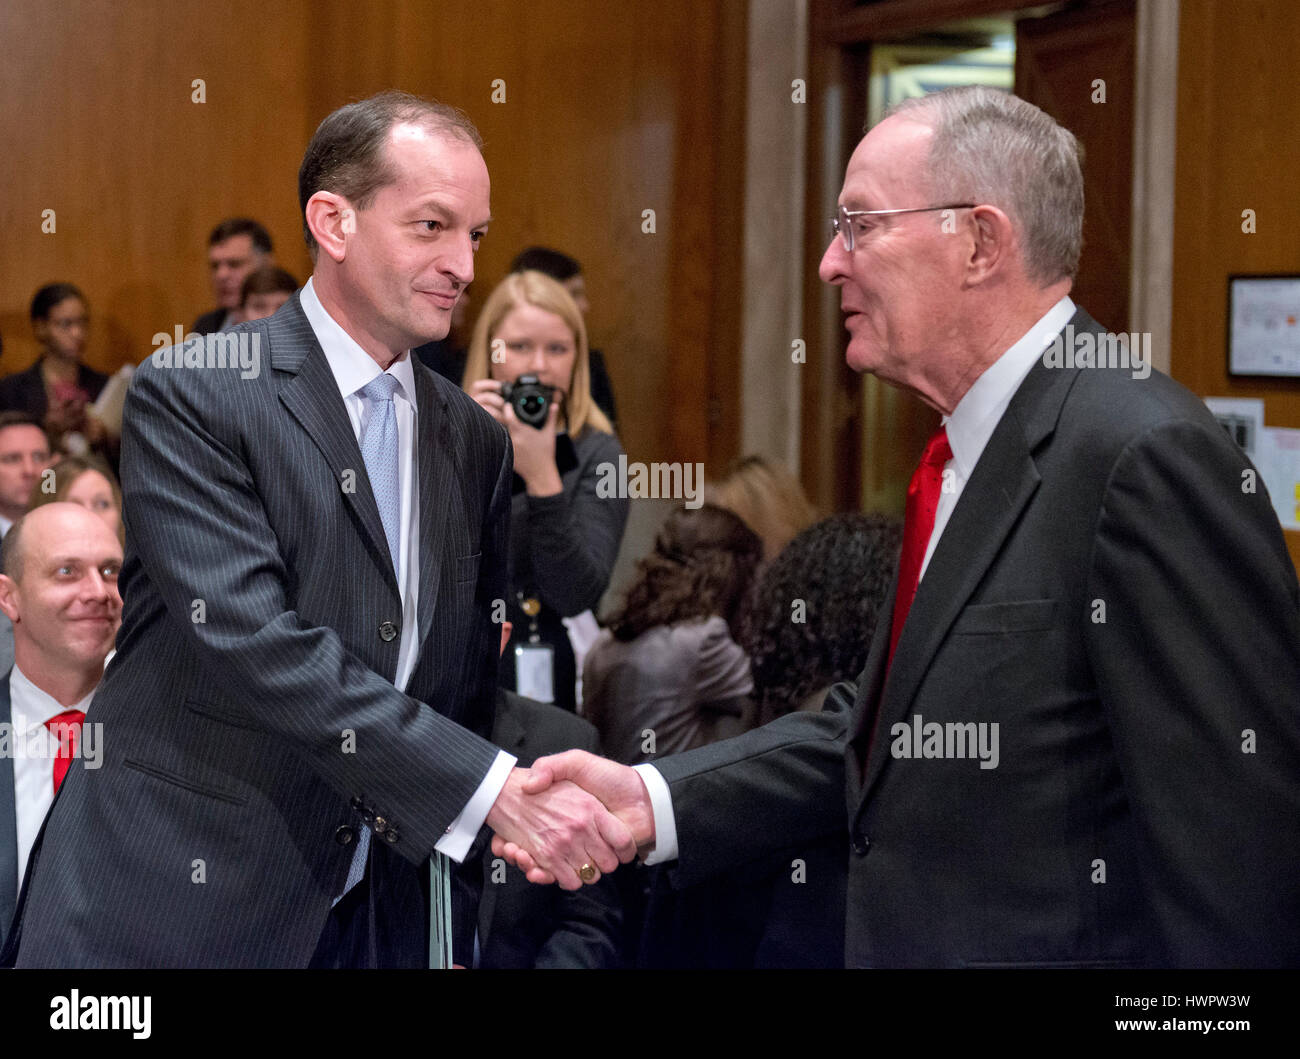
744, 609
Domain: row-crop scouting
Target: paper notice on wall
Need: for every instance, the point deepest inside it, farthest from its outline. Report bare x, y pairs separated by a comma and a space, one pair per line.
1242, 418
1278, 460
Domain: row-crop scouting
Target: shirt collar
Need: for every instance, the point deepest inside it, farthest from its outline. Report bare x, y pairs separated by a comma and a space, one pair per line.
978, 412
38, 706
352, 366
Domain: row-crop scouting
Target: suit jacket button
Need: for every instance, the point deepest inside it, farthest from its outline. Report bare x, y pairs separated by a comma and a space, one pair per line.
344, 835
387, 631
381, 825
861, 844
390, 836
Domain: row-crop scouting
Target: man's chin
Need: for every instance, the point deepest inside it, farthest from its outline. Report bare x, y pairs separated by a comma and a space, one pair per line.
864, 359
433, 331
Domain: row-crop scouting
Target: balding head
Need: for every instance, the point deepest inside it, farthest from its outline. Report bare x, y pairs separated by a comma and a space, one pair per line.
59, 588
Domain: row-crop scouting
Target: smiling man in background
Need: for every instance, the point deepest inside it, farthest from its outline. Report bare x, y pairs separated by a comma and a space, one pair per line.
59, 589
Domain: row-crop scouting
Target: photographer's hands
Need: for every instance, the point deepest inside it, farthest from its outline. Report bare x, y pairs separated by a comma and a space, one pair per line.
534, 447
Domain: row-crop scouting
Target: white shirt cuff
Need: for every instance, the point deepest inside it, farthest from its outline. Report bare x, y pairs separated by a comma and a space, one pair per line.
462, 831
661, 804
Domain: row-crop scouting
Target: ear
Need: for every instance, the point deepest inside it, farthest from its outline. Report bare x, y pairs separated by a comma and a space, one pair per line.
331, 219
9, 598
992, 244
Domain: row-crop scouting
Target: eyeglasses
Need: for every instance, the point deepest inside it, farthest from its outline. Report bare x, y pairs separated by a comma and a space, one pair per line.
840, 222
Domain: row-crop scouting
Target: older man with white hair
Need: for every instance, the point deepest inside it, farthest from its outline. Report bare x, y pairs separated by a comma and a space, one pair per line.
1076, 740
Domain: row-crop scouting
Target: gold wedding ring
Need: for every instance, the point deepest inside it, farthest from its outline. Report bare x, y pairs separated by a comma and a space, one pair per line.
586, 873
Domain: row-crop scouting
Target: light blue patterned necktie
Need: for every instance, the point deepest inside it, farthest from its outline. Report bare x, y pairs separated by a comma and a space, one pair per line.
379, 451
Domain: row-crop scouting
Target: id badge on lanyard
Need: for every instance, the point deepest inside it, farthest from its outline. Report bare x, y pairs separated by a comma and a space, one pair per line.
534, 671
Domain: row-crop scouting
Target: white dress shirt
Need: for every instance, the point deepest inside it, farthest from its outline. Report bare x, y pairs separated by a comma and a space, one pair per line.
34, 751
980, 410
353, 370
970, 426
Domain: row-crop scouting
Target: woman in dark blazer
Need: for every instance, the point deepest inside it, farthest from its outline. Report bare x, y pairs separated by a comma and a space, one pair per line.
58, 389
564, 536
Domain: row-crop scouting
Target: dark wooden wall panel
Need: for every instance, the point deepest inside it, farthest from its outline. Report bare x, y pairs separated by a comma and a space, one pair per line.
1058, 59
1237, 150
610, 109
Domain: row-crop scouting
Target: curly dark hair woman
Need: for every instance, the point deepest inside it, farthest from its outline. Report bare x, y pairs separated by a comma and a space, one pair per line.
702, 563
667, 674
814, 613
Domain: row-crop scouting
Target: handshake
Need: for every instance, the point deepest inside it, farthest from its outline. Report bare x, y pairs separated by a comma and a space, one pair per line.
571, 818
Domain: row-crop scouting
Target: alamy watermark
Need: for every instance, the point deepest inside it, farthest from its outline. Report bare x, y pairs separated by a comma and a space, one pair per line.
91, 1012
44, 744
949, 740
653, 481
223, 349
1087, 349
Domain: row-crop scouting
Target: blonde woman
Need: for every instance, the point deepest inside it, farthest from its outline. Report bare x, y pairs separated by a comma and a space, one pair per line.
564, 538
90, 482
768, 498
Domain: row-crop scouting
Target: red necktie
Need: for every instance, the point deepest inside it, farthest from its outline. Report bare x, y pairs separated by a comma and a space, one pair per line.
66, 727
918, 524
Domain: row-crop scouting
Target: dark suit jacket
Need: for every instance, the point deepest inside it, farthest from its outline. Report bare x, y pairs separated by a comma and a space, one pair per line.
6, 644
209, 322
1146, 805
8, 817
24, 391
602, 388
254, 725
522, 925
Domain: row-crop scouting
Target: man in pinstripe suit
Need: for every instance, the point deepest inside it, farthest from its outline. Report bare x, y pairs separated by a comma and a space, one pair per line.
307, 662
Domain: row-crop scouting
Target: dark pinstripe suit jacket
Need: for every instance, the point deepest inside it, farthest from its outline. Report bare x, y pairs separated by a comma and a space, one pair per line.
258, 595
8, 816
1130, 818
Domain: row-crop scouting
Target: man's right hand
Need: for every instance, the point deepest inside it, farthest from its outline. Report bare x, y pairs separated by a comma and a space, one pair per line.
617, 786
561, 827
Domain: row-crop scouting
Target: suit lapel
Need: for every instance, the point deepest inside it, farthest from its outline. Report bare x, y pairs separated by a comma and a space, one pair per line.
438, 466
1004, 480
8, 817
311, 394
870, 683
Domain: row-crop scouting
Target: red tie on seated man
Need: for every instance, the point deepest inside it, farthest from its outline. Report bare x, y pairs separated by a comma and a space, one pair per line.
66, 728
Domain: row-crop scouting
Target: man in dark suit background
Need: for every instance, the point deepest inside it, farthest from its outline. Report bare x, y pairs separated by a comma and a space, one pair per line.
315, 540
59, 590
237, 247
1078, 742
522, 926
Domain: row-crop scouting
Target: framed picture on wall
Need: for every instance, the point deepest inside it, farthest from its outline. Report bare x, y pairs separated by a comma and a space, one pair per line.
1264, 325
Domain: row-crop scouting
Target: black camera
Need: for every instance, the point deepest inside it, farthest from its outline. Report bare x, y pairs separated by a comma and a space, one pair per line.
531, 399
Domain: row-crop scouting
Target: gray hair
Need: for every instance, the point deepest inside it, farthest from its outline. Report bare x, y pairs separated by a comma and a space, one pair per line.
992, 147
